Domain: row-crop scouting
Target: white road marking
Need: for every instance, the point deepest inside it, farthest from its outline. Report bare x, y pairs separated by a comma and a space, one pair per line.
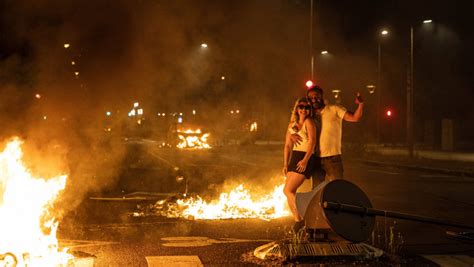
438, 176
385, 172
201, 241
174, 261
451, 260
82, 262
83, 243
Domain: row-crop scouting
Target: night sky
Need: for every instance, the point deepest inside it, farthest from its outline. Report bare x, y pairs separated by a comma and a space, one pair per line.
149, 51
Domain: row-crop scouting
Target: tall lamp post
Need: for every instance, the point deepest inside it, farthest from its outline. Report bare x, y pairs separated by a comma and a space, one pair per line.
410, 90
410, 99
311, 39
379, 82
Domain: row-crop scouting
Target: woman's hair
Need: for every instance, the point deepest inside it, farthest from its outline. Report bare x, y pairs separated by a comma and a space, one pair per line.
295, 117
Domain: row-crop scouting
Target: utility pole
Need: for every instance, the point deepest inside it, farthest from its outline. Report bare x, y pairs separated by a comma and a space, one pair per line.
379, 81
311, 40
378, 91
410, 98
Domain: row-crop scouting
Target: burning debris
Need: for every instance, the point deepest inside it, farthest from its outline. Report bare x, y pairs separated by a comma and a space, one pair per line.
236, 204
28, 228
193, 139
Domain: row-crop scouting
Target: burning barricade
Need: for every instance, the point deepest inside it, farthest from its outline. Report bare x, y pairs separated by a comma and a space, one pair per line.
187, 137
193, 139
236, 204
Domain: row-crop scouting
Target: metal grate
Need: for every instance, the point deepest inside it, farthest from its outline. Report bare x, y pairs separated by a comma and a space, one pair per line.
289, 249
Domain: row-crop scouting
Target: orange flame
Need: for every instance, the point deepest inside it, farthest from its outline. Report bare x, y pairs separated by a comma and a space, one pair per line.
238, 203
27, 228
193, 139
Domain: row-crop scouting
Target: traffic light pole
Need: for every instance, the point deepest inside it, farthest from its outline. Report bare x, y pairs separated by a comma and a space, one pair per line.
378, 91
410, 99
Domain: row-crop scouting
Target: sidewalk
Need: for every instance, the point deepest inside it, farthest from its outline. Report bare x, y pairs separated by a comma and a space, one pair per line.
451, 163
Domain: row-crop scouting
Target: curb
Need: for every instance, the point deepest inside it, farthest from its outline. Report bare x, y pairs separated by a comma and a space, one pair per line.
464, 173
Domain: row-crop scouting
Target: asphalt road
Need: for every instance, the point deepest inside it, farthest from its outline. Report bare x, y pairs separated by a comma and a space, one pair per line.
103, 226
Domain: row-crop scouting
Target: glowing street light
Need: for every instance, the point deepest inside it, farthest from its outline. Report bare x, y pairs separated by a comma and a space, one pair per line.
204, 45
66, 45
384, 32
309, 84
223, 78
426, 21
371, 88
324, 52
38, 96
108, 113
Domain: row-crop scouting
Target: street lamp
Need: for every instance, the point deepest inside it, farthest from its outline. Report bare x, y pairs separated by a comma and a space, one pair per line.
410, 88
379, 82
336, 95
371, 88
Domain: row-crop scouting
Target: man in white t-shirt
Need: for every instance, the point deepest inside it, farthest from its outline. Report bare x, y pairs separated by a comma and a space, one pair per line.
329, 133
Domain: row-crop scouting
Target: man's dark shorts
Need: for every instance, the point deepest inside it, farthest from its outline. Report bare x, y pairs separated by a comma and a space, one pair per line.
327, 169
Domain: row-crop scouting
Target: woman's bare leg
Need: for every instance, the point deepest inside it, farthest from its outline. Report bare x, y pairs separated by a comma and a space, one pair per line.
293, 181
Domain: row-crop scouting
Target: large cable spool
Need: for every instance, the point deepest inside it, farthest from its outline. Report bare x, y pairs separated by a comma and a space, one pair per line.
350, 226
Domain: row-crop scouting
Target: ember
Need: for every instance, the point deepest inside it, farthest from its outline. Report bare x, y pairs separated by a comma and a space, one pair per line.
28, 228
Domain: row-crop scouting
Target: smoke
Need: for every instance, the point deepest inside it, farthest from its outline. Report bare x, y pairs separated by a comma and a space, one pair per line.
121, 52
84, 58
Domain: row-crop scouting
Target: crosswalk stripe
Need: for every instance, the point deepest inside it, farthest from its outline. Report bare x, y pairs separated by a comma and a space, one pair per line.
174, 261
451, 260
202, 241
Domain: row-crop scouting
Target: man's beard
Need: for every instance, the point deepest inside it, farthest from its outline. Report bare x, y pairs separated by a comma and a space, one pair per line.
317, 105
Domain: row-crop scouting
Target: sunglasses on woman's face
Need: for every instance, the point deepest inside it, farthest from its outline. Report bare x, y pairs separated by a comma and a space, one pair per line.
307, 107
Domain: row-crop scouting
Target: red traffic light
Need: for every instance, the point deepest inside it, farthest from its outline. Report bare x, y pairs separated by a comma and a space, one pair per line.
309, 83
388, 113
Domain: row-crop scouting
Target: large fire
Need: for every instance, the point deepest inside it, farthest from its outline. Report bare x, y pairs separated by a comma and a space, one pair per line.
193, 139
238, 203
27, 227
